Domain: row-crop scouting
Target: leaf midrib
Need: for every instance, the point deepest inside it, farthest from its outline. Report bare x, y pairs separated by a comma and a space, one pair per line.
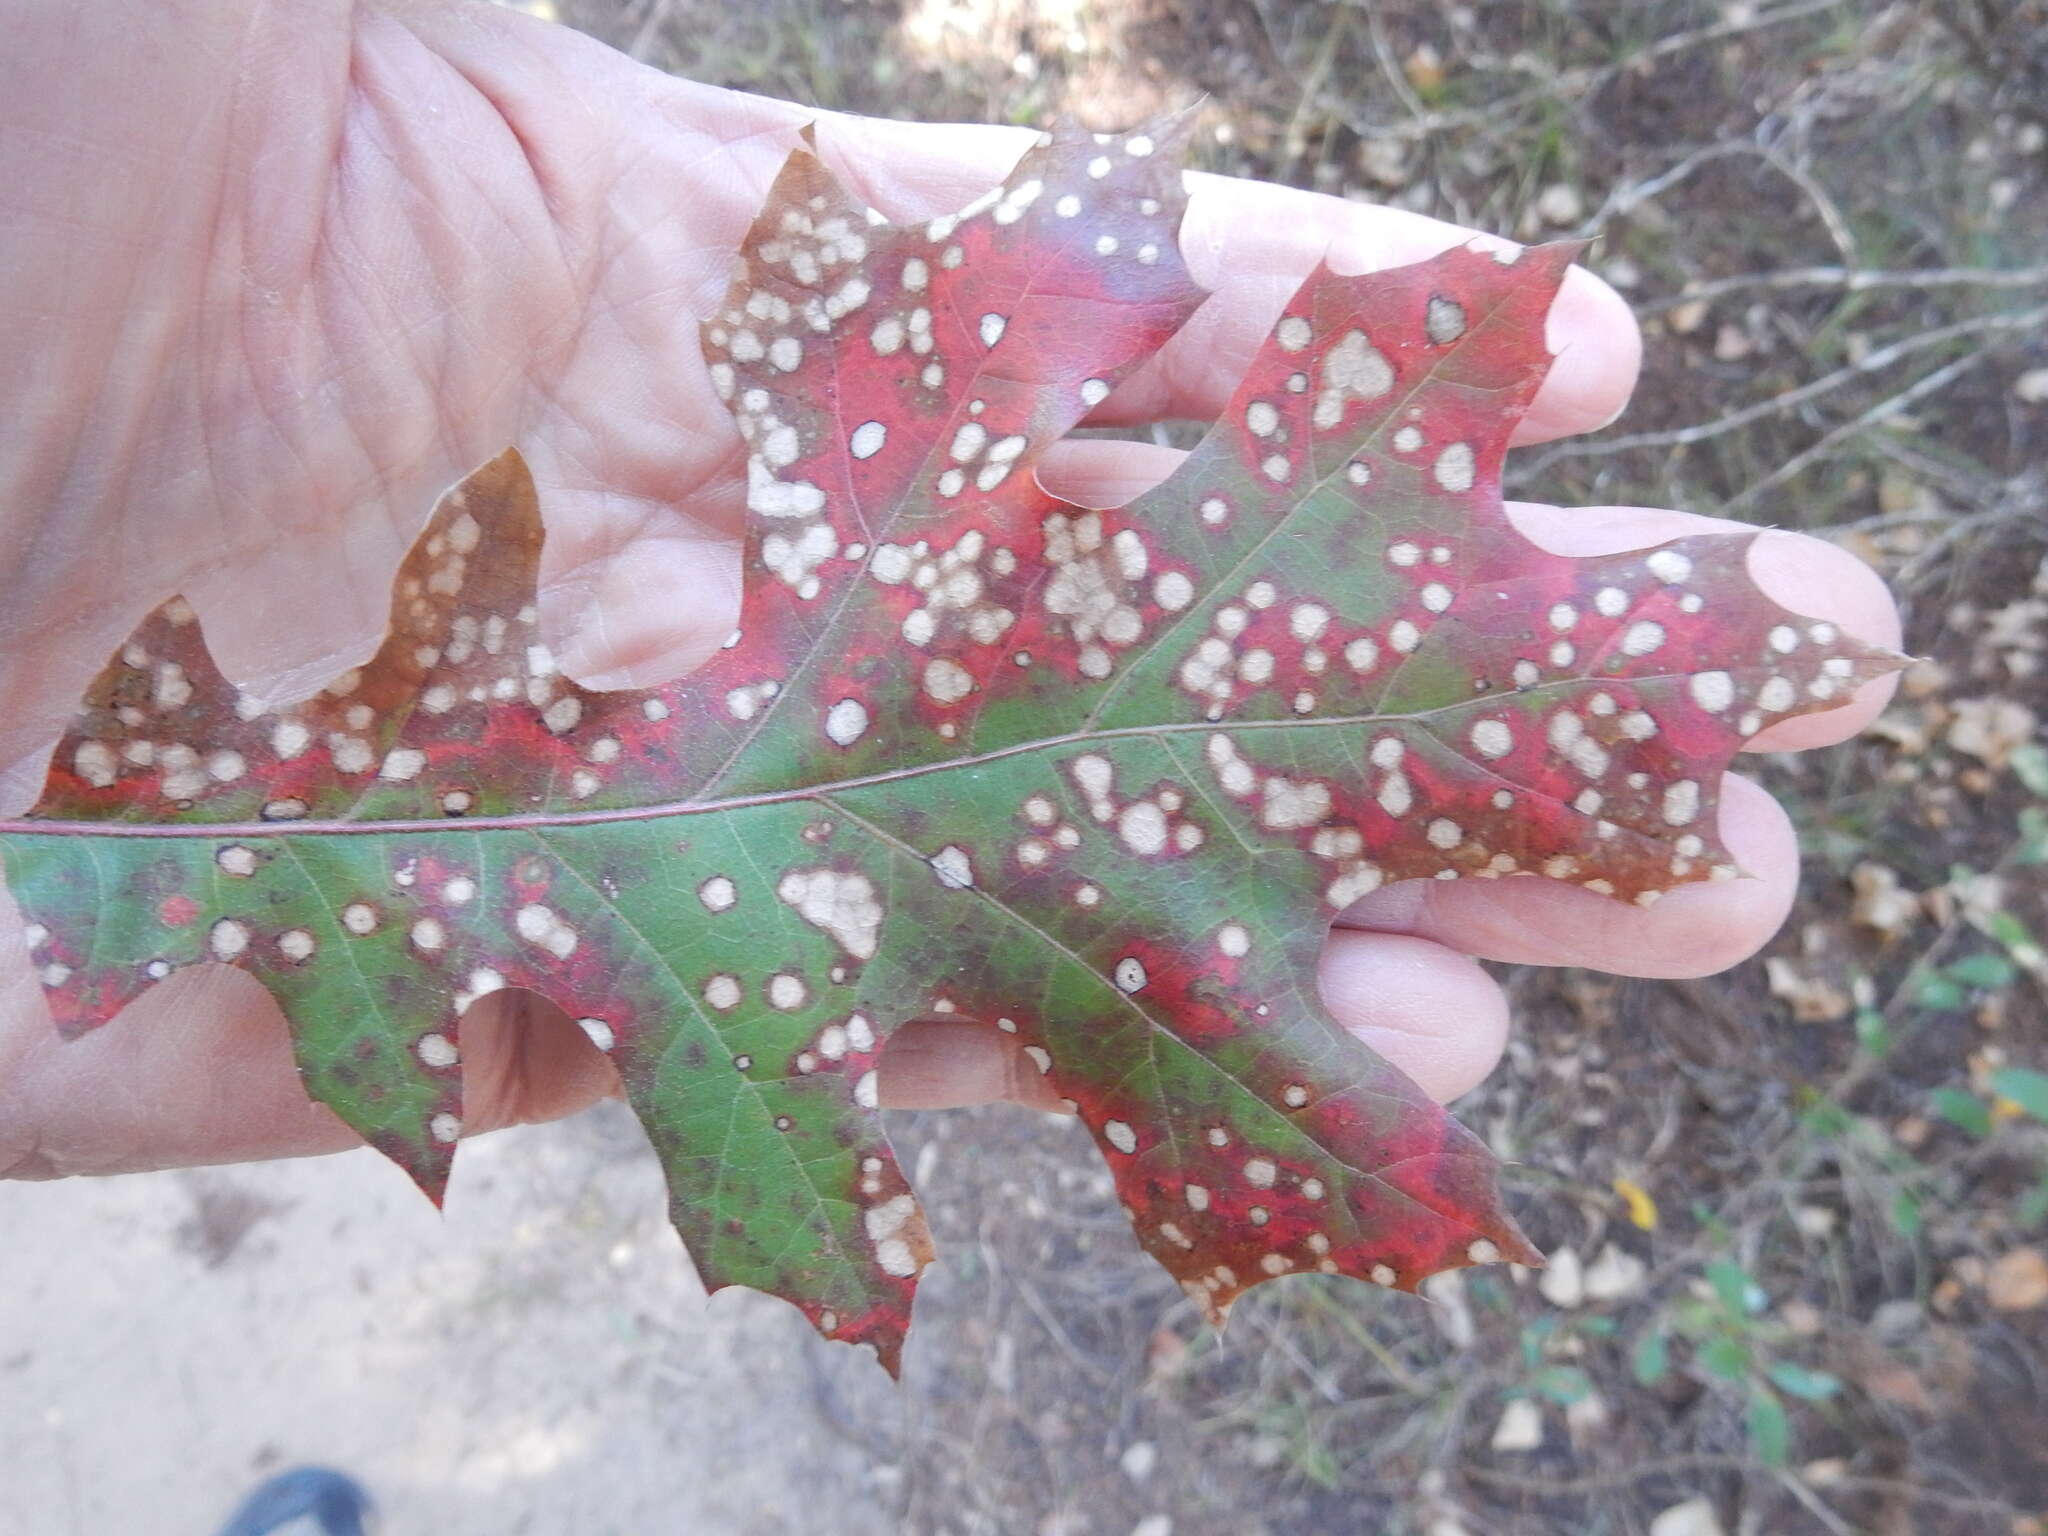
32, 827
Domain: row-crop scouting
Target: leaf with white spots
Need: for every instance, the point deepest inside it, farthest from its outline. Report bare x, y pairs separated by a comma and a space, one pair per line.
1100, 777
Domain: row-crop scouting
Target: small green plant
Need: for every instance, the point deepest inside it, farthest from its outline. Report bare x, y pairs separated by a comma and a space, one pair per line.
1735, 1342
2009, 1092
1548, 1344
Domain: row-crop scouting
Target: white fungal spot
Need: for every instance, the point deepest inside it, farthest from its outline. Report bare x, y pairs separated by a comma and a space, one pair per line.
428, 934
1289, 805
295, 944
1456, 468
1259, 1172
1445, 321
787, 992
543, 926
1233, 940
1352, 369
1642, 637
952, 866
437, 1050
1668, 565
946, 681
482, 982
841, 902
1681, 803
722, 992
1130, 974
992, 326
1713, 691
96, 763
1120, 1136
227, 939
288, 739
1173, 591
866, 439
846, 722
1492, 738
1142, 826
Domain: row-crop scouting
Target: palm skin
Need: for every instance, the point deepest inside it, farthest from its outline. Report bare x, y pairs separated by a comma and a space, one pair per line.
282, 272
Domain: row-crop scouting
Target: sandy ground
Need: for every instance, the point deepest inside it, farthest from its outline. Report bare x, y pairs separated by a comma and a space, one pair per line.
540, 1359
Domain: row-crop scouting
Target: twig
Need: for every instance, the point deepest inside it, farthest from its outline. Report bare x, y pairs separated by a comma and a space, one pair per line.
1884, 410
1850, 280
1296, 138
1699, 432
1814, 1504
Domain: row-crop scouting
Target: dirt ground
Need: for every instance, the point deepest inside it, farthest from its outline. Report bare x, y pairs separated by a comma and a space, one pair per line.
1798, 1215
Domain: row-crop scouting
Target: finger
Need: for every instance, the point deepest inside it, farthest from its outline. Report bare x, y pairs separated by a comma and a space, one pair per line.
1807, 575
524, 1060
1695, 930
198, 1070
1431, 1012
948, 1063
1435, 1015
1251, 244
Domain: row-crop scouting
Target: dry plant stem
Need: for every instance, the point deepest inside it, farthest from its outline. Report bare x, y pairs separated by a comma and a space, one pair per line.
1850, 280
1791, 399
1883, 411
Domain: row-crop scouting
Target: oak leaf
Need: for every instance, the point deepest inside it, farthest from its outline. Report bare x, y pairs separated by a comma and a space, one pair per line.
1098, 778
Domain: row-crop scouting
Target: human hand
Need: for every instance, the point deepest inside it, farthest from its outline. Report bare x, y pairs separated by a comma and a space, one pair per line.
283, 273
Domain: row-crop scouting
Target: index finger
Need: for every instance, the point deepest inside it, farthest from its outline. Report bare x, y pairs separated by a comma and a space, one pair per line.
1251, 244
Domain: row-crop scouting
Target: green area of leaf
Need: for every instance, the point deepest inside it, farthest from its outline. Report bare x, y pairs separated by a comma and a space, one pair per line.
1873, 1035
1724, 1357
1562, 1384
1940, 992
2025, 1087
1731, 1282
1986, 971
1962, 1108
2029, 763
1651, 1359
1801, 1382
1770, 1431
1906, 1213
